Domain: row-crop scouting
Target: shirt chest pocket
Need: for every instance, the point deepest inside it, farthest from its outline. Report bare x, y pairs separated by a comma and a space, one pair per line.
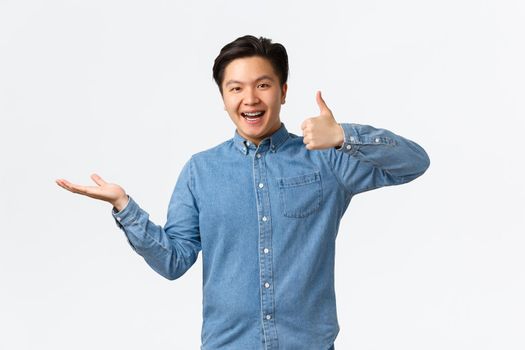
300, 195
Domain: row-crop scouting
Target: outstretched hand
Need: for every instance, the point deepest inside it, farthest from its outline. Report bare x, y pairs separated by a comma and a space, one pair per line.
322, 131
108, 192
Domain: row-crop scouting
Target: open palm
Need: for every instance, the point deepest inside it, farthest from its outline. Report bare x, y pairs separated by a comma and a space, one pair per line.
108, 192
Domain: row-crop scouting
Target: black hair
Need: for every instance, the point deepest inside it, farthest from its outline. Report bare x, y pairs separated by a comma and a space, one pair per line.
249, 46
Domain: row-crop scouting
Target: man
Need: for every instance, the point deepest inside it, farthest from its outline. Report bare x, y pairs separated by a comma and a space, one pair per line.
264, 207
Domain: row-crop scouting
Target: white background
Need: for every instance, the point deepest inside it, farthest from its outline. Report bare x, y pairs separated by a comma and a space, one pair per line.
124, 88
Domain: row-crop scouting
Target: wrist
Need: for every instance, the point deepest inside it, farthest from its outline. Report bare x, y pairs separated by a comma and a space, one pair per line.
121, 203
340, 136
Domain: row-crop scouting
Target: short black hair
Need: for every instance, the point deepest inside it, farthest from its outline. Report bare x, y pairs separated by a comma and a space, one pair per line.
249, 46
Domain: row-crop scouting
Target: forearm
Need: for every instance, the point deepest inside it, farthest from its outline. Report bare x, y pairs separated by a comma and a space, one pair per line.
385, 150
168, 256
371, 158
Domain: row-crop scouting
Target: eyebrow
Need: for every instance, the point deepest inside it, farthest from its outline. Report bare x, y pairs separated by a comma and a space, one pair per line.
262, 77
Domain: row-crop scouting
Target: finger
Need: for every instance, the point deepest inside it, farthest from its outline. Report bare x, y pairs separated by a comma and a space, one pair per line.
88, 191
321, 103
308, 122
60, 182
98, 180
74, 187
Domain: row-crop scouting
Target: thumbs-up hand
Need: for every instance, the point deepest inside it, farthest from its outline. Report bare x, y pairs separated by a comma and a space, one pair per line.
322, 131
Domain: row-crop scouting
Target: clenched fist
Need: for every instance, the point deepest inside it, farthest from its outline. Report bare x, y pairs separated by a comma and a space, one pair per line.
322, 131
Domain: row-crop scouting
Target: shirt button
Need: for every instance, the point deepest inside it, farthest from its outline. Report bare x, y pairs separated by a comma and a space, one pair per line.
258, 155
261, 185
268, 317
377, 139
266, 250
348, 146
352, 138
264, 218
119, 219
267, 285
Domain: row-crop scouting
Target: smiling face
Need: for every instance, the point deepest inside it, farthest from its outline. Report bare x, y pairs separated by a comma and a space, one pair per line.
253, 96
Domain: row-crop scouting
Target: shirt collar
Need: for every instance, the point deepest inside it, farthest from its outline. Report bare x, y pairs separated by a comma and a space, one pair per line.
275, 140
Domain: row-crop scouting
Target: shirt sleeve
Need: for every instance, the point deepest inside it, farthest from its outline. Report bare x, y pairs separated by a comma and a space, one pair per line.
371, 158
170, 250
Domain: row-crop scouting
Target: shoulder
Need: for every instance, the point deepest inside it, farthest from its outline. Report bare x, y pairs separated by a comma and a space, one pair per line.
293, 142
213, 152
209, 161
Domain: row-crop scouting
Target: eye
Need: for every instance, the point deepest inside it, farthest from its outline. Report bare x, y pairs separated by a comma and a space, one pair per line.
264, 85
235, 89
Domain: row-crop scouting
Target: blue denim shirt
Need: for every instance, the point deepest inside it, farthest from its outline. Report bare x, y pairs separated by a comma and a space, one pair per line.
266, 219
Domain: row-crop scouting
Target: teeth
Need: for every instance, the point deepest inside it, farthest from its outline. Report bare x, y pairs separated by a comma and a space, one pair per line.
254, 114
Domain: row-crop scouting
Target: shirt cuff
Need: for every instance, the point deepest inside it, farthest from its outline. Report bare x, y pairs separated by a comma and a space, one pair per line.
351, 139
127, 215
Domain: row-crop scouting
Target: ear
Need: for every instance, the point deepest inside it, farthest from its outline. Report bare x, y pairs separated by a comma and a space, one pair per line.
284, 89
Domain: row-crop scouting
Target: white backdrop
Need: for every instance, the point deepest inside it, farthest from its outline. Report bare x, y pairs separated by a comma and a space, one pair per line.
124, 88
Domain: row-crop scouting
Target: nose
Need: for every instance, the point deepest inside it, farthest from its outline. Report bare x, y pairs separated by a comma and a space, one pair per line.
250, 97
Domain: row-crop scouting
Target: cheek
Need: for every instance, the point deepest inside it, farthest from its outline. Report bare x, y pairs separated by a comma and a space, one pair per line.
276, 99
276, 102
230, 106
231, 112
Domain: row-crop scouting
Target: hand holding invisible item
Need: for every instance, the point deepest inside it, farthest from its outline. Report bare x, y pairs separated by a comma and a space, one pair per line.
111, 193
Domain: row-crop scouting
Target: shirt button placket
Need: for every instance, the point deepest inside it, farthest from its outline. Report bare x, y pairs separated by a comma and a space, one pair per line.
266, 270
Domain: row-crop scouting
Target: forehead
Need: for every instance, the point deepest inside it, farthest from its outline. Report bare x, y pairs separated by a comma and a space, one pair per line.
248, 69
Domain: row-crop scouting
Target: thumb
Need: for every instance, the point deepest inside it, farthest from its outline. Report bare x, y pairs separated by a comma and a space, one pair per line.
322, 105
98, 180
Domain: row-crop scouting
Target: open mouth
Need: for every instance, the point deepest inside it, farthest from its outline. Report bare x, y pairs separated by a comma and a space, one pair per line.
252, 116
